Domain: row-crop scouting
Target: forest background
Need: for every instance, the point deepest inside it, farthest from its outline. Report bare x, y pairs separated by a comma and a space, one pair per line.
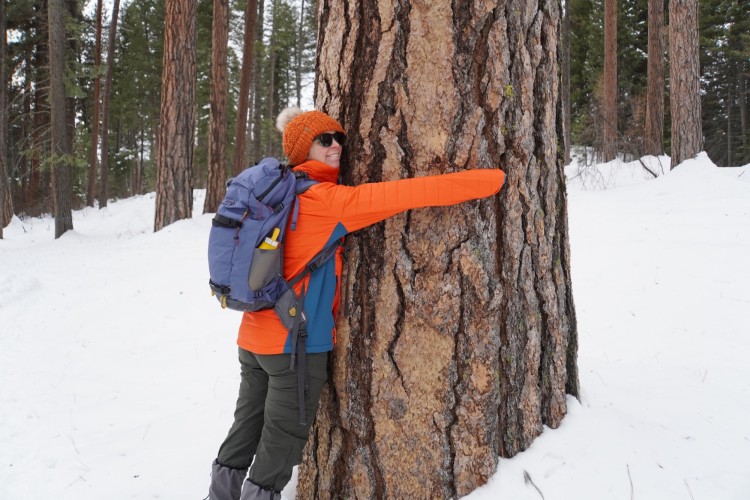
282, 74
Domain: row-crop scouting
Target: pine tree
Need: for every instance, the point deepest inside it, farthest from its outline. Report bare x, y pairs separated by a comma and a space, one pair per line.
248, 61
609, 104
60, 147
137, 91
174, 196
687, 138
95, 118
217, 130
725, 69
6, 206
106, 102
654, 130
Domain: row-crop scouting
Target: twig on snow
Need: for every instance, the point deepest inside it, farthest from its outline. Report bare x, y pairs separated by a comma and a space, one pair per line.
647, 169
688, 488
632, 493
527, 480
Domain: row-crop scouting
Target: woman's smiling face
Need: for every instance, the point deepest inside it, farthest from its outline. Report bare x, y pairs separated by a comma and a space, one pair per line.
330, 155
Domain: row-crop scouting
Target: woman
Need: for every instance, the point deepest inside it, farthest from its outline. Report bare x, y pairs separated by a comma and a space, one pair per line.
267, 436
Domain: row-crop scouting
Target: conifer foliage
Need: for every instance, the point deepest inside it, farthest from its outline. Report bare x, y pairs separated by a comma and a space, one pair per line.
280, 72
644, 114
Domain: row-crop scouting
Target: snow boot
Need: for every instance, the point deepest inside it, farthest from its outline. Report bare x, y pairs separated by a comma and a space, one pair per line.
226, 482
252, 491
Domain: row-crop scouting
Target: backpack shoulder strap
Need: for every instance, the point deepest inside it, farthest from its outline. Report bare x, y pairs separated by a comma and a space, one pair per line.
318, 260
304, 182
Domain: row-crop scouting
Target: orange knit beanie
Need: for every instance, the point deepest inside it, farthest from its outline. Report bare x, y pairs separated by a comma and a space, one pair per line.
299, 128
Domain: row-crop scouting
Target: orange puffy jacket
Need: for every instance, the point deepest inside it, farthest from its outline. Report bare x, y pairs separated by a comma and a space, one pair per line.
327, 212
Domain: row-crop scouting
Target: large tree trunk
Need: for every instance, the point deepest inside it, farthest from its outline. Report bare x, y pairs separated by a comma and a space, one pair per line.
609, 106
61, 153
685, 102
458, 341
94, 154
106, 98
217, 119
174, 158
248, 59
654, 135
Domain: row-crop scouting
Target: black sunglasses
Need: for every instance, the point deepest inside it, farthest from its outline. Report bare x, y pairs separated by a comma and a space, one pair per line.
326, 139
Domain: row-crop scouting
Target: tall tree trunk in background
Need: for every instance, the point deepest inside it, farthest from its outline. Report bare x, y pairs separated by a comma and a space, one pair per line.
298, 54
106, 98
270, 101
565, 91
460, 339
174, 157
654, 135
609, 106
138, 174
37, 190
73, 50
248, 59
743, 118
684, 76
6, 204
730, 101
90, 186
217, 118
258, 69
61, 154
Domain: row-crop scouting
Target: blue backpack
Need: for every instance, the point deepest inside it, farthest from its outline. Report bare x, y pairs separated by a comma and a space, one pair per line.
246, 274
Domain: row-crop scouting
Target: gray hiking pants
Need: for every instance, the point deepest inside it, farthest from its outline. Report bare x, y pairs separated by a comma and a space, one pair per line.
266, 420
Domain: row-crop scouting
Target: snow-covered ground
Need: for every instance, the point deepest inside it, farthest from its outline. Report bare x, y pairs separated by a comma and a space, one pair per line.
118, 373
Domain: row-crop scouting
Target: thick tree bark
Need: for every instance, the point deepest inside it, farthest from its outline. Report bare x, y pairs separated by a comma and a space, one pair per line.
654, 135
685, 102
106, 98
90, 186
609, 106
458, 341
248, 59
174, 159
217, 119
60, 151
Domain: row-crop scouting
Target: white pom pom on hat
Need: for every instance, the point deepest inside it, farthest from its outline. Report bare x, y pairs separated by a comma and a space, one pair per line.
286, 116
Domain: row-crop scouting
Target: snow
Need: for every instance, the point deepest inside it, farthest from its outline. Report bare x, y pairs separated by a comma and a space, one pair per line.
119, 371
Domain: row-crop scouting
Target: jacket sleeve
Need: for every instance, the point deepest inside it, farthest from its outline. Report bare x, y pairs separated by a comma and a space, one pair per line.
363, 205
